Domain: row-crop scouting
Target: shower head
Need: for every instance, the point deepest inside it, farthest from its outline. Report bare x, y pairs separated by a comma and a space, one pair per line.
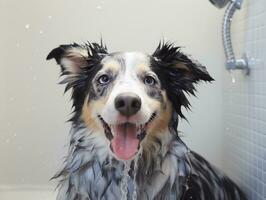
219, 3
231, 61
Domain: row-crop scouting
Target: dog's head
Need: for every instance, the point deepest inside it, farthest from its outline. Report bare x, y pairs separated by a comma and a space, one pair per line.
128, 95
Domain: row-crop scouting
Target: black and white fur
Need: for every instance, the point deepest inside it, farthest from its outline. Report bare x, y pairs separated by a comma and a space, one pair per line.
165, 168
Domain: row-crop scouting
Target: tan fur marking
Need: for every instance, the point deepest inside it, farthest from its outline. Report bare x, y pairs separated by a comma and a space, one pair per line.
75, 59
182, 66
87, 117
143, 67
163, 118
79, 52
112, 65
87, 114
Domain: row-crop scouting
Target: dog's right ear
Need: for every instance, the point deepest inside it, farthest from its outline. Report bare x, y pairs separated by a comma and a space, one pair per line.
75, 58
72, 58
78, 62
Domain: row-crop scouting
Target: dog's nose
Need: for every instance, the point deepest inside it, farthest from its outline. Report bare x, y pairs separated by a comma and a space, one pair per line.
127, 103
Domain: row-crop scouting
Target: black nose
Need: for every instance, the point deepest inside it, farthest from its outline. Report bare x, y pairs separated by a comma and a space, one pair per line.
127, 103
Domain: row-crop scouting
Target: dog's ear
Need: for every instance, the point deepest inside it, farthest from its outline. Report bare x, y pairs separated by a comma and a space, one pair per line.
75, 58
178, 74
72, 58
174, 59
78, 61
79, 64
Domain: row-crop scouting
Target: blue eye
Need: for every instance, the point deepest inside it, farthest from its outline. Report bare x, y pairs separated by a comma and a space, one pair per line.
104, 79
149, 80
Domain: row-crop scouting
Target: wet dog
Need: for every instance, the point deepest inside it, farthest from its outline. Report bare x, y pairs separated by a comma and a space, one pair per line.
124, 139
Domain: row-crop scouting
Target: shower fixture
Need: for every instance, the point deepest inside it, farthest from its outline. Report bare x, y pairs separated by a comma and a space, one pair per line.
231, 62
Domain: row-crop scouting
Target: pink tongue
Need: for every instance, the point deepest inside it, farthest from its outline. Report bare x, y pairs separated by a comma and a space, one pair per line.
125, 142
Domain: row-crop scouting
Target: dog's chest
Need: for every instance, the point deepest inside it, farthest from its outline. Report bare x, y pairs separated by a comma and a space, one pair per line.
112, 182
86, 175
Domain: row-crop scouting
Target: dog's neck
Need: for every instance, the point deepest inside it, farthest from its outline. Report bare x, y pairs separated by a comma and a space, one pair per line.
91, 170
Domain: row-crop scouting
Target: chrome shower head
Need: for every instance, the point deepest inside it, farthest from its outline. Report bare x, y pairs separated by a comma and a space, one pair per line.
231, 62
219, 3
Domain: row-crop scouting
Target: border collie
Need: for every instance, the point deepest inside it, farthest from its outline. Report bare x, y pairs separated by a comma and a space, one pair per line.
124, 139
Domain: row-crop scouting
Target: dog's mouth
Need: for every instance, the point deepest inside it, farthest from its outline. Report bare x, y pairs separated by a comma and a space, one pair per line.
125, 138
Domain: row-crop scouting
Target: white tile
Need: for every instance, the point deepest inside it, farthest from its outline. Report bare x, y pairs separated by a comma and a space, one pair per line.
245, 130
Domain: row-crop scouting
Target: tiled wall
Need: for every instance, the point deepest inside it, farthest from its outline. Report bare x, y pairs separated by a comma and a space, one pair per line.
245, 103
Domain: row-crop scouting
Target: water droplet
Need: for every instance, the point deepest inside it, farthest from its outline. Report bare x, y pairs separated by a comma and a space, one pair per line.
99, 7
50, 17
135, 195
233, 78
126, 177
17, 45
41, 31
124, 180
15, 135
7, 141
27, 26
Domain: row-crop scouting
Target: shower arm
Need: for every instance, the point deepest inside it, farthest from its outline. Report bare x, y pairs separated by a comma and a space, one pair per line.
231, 62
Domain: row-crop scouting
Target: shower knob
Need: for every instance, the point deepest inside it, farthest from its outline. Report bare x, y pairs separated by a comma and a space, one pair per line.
219, 3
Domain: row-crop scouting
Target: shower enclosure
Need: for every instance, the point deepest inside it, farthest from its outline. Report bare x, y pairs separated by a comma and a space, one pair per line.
227, 124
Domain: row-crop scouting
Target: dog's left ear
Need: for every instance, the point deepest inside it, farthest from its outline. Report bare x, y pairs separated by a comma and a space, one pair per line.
173, 58
178, 74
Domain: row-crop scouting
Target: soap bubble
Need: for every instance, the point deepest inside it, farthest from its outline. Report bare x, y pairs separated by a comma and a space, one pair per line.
233, 78
99, 7
27, 26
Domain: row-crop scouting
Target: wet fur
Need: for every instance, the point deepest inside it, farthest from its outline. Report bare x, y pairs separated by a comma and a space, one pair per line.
167, 169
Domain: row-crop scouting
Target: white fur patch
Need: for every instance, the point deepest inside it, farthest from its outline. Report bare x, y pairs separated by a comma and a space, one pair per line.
128, 81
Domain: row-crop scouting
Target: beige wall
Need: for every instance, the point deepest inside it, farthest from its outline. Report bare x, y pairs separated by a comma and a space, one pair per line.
33, 109
33, 193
